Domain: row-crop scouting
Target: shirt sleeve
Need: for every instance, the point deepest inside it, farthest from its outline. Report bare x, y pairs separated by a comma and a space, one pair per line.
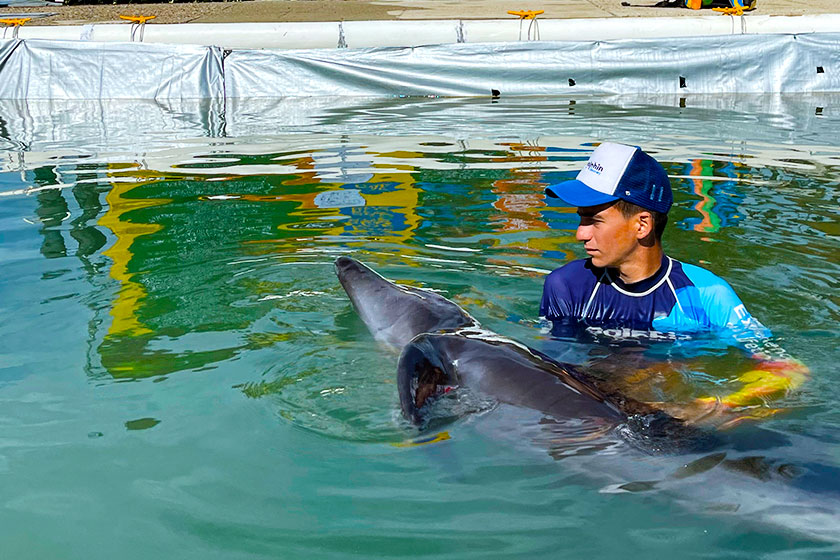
729, 316
556, 298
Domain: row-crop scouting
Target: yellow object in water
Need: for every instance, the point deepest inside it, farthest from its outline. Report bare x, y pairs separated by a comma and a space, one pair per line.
442, 436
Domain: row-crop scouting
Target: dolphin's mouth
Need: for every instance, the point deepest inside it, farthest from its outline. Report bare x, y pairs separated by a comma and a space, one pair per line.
430, 384
422, 377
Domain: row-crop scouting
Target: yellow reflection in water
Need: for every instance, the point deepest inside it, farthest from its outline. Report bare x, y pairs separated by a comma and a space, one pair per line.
131, 293
521, 212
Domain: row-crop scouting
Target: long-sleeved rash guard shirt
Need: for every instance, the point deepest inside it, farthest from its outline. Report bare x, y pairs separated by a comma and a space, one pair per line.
678, 300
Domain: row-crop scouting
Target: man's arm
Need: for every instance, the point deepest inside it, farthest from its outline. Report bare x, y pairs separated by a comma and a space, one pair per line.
775, 373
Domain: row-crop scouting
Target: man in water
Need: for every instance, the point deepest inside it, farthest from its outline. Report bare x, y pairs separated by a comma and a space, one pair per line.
629, 288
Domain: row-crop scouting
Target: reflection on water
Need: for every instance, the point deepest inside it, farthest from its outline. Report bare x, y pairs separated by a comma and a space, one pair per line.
204, 265
720, 198
190, 238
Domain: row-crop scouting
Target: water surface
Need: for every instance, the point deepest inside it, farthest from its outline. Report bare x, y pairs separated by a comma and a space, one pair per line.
181, 375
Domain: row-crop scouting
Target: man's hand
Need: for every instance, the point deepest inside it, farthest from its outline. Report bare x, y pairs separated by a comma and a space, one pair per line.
658, 383
767, 382
712, 413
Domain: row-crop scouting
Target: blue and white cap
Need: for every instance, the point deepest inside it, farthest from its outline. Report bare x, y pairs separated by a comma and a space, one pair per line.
617, 171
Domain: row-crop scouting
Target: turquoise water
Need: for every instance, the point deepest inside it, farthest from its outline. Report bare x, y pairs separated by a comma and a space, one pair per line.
181, 375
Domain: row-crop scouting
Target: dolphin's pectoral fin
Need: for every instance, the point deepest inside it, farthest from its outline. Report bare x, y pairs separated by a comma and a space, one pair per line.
632, 487
639, 486
423, 374
763, 468
698, 466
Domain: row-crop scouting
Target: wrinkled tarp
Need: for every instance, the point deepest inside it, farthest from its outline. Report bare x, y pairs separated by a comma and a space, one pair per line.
38, 69
34, 69
720, 64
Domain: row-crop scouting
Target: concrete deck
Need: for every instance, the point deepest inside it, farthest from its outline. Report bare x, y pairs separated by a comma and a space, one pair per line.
350, 10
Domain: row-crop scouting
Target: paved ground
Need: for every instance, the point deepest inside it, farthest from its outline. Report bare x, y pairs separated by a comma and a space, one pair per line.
334, 10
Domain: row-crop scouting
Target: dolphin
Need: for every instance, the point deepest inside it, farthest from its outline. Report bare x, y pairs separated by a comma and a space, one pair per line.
442, 347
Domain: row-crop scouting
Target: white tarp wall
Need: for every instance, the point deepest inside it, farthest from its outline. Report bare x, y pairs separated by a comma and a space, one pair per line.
403, 33
35, 69
718, 64
53, 69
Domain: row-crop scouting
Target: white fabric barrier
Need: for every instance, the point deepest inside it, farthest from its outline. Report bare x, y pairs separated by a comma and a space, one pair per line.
736, 63
35, 69
403, 33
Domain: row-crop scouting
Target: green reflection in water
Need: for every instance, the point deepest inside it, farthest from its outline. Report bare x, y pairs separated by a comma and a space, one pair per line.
177, 236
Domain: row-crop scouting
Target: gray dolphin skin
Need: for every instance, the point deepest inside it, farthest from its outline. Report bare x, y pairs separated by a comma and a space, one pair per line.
442, 347
494, 366
395, 314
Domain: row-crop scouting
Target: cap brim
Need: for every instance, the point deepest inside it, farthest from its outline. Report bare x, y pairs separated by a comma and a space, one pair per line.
576, 193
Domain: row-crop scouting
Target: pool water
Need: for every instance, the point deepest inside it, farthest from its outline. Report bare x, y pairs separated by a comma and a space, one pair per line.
182, 376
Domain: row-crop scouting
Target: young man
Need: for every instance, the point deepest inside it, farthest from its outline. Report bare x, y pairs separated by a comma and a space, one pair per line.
629, 288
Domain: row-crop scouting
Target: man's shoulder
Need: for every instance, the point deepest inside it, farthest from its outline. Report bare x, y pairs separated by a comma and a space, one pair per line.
574, 270
575, 273
716, 297
699, 277
567, 288
572, 279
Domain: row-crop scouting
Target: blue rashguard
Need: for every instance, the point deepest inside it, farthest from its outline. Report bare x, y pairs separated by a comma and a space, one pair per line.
678, 300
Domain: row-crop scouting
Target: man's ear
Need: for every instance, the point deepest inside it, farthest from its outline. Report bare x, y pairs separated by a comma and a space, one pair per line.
646, 225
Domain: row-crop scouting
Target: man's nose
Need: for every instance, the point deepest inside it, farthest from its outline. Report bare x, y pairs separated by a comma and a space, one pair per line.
583, 233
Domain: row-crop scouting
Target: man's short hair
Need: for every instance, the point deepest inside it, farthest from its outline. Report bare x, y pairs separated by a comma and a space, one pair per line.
628, 210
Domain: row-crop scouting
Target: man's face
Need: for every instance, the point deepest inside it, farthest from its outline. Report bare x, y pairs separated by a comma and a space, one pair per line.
608, 237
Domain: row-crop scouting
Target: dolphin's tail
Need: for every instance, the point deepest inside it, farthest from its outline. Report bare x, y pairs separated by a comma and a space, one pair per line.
422, 375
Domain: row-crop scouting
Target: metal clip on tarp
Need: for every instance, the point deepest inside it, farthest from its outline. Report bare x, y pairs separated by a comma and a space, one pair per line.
460, 34
342, 41
533, 27
14, 24
137, 23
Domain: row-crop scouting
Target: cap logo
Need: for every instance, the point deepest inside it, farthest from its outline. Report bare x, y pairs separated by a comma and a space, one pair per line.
594, 167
